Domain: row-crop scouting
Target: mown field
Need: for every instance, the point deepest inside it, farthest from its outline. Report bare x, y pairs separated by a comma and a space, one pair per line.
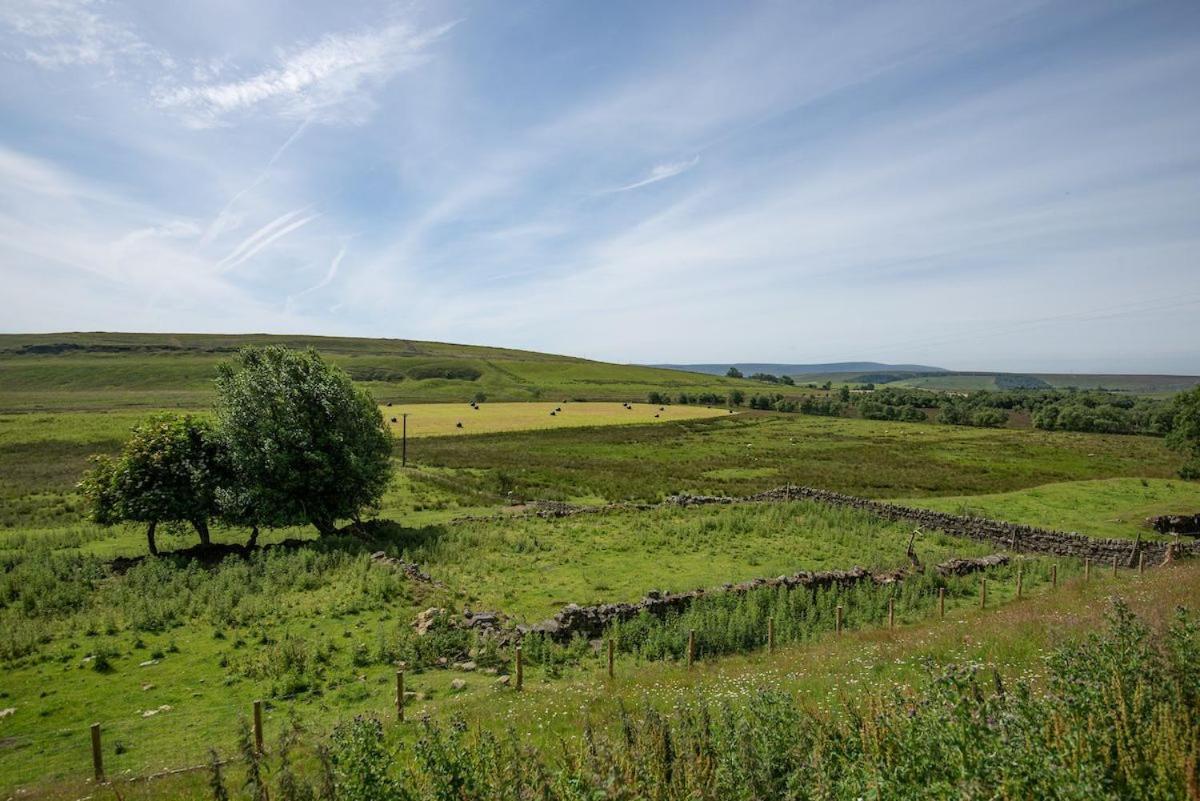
454, 419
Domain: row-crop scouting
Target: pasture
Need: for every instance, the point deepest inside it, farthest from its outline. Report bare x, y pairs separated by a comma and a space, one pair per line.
455, 419
169, 653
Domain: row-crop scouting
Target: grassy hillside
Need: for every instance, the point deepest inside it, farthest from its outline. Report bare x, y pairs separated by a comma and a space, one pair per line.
101, 371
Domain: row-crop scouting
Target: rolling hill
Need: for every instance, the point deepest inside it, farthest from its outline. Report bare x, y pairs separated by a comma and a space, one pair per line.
93, 371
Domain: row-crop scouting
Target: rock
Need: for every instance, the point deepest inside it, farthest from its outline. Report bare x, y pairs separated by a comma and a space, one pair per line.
425, 620
502, 681
148, 663
466, 666
4, 713
147, 687
457, 685
442, 661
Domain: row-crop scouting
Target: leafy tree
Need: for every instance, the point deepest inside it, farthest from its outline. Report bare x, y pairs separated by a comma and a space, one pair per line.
737, 397
1185, 430
788, 380
733, 372
168, 472
305, 443
843, 393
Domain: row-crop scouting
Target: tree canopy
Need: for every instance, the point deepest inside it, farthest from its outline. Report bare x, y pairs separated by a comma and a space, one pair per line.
169, 471
305, 444
1185, 430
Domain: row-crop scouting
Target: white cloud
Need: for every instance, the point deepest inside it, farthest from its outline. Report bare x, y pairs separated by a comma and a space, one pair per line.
326, 81
62, 33
662, 172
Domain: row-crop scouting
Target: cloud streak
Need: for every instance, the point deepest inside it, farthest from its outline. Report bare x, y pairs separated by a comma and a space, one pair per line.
321, 81
662, 172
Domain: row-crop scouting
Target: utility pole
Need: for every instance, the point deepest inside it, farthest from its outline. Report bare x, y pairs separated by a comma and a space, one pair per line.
404, 440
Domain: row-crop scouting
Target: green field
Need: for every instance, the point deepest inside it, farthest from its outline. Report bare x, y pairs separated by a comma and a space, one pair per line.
97, 372
171, 652
1115, 507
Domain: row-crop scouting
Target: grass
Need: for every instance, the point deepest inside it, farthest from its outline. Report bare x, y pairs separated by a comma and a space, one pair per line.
750, 452
1115, 507
443, 419
317, 627
826, 674
105, 372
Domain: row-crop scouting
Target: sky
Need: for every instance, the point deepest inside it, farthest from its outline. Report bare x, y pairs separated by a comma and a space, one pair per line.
1005, 185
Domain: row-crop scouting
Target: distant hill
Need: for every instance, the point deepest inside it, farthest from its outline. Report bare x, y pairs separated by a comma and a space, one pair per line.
100, 370
748, 368
967, 381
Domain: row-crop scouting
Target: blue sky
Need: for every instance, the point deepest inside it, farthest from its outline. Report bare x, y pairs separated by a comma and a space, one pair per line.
992, 185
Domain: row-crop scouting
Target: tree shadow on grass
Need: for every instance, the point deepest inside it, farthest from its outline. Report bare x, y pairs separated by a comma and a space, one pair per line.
368, 537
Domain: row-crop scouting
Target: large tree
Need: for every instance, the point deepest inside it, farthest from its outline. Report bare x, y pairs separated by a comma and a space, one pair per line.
1185, 430
168, 472
305, 444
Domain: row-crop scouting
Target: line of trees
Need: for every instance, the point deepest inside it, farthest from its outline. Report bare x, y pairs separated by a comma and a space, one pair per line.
294, 442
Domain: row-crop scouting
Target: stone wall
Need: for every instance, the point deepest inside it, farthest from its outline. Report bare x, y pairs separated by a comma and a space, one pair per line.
591, 621
1011, 536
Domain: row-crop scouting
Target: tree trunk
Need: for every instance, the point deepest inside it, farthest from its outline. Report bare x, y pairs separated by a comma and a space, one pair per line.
324, 527
150, 537
253, 537
202, 529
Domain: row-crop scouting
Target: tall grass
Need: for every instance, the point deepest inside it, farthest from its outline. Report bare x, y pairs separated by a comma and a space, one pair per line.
1120, 719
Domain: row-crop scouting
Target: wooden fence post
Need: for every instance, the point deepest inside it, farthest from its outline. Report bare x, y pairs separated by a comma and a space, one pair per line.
258, 729
771, 635
691, 646
1114, 567
400, 695
520, 669
97, 756
983, 593
941, 603
891, 613
838, 624
611, 649
1054, 575
1141, 563
1019, 587
1087, 569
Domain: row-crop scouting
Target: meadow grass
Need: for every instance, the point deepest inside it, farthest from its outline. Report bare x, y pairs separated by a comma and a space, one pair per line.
829, 675
1114, 507
750, 452
320, 627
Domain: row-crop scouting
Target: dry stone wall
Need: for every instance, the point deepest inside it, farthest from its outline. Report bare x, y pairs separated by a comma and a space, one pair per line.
591, 621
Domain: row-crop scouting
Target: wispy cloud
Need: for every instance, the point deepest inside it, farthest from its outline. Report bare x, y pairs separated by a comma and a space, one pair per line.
662, 172
330, 274
324, 81
61, 33
264, 237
